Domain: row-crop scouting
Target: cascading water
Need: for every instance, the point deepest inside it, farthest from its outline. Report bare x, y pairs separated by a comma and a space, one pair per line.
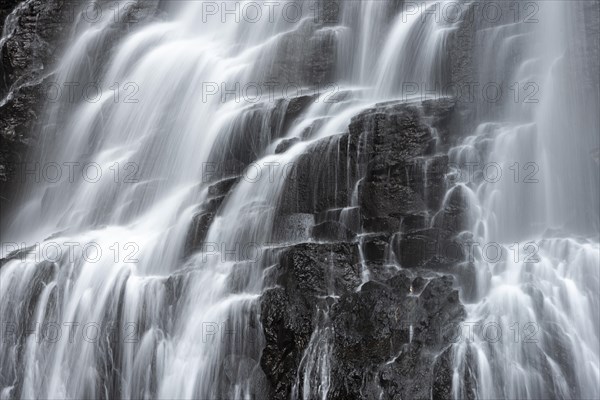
538, 300
116, 245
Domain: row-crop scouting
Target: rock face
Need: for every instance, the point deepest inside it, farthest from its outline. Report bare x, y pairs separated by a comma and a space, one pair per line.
35, 32
206, 213
368, 201
387, 340
389, 337
306, 275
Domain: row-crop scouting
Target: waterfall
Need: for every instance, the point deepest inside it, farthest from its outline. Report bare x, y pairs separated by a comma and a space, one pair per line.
153, 250
537, 300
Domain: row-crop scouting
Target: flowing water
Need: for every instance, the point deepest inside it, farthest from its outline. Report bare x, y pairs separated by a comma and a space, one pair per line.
108, 244
536, 319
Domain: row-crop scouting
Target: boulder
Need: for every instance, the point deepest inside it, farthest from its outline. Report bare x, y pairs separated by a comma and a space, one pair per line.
318, 179
374, 349
305, 276
331, 231
454, 215
197, 232
285, 145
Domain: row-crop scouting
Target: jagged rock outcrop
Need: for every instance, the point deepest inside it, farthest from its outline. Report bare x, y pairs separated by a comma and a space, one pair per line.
392, 335
387, 338
251, 132
388, 335
304, 55
312, 184
205, 214
397, 157
307, 274
35, 33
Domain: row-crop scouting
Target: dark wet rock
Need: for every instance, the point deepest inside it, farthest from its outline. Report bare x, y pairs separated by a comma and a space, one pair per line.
6, 7
386, 199
454, 216
372, 344
332, 231
294, 227
175, 285
202, 220
249, 135
366, 323
442, 303
350, 217
392, 147
222, 187
460, 48
468, 378
259, 384
396, 133
285, 145
304, 56
19, 253
375, 248
381, 224
373, 341
37, 33
414, 222
212, 205
295, 107
442, 375
404, 177
433, 186
416, 248
287, 326
393, 144
418, 284
197, 232
306, 274
441, 114
320, 269
317, 180
327, 12
321, 60
465, 273
245, 139
38, 30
